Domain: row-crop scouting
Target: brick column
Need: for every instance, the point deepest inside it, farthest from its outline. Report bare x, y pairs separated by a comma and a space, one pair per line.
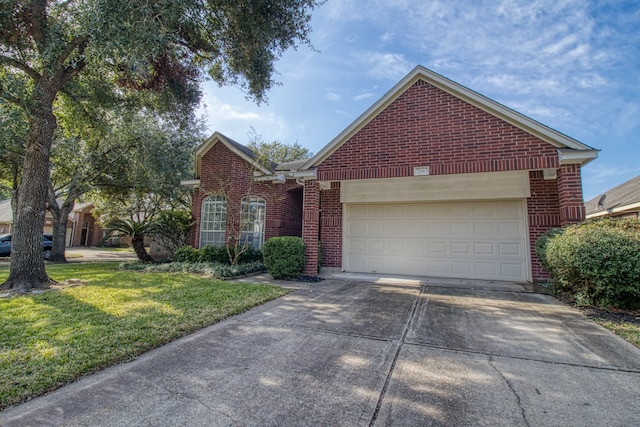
311, 225
570, 194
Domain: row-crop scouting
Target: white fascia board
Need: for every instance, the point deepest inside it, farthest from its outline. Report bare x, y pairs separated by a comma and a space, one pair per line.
582, 157
615, 210
193, 183
306, 174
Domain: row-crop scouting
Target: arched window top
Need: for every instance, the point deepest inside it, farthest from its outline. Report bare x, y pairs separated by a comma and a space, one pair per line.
254, 199
214, 198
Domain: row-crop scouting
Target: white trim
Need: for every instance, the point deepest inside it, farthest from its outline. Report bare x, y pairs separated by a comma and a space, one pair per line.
582, 157
193, 183
494, 108
614, 210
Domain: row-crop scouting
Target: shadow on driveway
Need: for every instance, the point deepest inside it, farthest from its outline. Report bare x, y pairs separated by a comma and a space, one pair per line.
354, 352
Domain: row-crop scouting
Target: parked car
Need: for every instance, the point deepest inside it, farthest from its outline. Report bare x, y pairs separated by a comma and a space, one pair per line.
5, 245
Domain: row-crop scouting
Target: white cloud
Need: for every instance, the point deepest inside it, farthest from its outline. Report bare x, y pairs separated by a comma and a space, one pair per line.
331, 96
390, 66
362, 96
387, 37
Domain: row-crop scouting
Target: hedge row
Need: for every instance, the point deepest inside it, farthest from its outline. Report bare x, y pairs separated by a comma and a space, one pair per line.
217, 254
283, 256
211, 269
596, 262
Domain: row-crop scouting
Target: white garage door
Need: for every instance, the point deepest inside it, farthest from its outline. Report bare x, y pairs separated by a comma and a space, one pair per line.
478, 240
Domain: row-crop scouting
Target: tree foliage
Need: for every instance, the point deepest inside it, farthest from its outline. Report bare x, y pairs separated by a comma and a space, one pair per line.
268, 154
158, 49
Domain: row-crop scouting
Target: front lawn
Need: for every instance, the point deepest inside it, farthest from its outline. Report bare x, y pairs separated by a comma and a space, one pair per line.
49, 339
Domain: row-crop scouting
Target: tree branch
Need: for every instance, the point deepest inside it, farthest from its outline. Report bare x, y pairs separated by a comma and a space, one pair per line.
12, 62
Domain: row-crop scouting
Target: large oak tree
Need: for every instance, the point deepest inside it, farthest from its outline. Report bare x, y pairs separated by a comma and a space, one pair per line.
157, 46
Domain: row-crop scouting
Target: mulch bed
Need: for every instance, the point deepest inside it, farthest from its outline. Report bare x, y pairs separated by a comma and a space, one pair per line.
613, 315
309, 279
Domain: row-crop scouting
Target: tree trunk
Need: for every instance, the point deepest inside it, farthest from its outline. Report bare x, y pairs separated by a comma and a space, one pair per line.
60, 218
138, 246
27, 268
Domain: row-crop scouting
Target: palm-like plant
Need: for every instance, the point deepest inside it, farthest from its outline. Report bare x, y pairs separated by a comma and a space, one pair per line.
136, 231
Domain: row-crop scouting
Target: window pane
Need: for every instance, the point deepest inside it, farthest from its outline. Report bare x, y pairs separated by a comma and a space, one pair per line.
213, 221
252, 221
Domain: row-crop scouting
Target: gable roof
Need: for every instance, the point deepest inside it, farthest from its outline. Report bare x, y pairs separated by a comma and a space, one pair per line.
240, 150
624, 197
569, 149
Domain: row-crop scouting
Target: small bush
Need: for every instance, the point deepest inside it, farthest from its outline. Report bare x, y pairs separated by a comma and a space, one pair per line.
541, 246
217, 254
251, 255
187, 254
597, 262
284, 257
214, 254
211, 269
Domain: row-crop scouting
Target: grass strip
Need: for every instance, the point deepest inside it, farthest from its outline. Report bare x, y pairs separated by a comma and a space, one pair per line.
48, 340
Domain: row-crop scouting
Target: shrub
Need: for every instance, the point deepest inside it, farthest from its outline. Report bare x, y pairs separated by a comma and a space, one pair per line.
598, 262
284, 257
211, 269
214, 254
187, 254
251, 255
541, 246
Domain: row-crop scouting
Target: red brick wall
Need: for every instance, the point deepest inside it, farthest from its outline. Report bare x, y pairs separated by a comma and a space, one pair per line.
331, 226
570, 194
311, 226
543, 209
426, 126
225, 173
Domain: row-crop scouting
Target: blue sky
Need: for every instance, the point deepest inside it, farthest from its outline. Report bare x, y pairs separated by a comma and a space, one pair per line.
573, 65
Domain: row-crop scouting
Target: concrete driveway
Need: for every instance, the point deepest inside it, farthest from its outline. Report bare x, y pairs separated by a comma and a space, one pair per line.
360, 351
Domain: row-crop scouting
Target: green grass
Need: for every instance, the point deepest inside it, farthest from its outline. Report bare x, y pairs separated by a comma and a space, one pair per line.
114, 249
49, 339
626, 330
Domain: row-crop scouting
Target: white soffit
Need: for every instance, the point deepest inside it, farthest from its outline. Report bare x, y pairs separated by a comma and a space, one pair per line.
471, 186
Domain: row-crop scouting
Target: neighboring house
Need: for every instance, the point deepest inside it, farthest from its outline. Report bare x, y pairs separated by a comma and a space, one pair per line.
86, 231
622, 201
432, 180
6, 221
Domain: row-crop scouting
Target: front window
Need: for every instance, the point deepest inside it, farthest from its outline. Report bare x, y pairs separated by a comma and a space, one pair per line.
252, 221
213, 221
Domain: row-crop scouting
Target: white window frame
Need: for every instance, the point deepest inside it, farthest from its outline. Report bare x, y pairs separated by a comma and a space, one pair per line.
252, 221
213, 221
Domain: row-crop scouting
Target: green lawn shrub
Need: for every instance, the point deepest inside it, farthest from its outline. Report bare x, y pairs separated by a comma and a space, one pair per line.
597, 262
541, 246
187, 254
284, 257
212, 269
216, 254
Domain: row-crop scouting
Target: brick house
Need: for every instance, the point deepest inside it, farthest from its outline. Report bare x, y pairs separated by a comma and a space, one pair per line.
622, 201
432, 180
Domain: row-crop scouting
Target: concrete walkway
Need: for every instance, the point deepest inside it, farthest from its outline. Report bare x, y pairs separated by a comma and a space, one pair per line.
359, 351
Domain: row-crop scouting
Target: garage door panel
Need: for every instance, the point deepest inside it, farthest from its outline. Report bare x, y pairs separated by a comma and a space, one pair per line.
510, 228
486, 269
509, 249
485, 239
